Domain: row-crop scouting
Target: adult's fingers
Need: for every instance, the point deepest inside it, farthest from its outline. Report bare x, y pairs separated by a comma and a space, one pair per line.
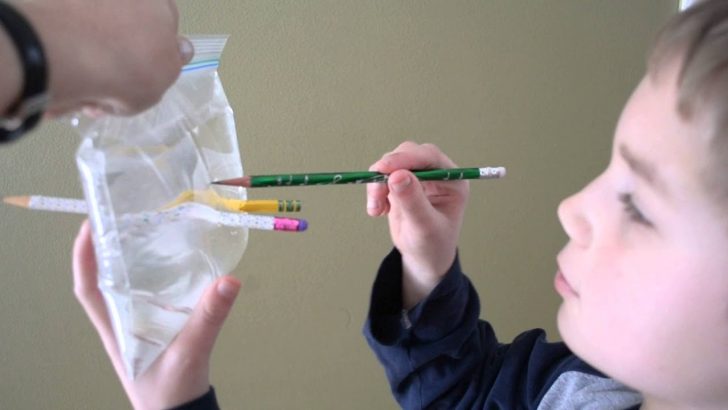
85, 286
85, 280
199, 334
175, 11
186, 49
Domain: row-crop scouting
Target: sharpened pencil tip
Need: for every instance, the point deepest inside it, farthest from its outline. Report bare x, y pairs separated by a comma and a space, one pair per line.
241, 182
21, 201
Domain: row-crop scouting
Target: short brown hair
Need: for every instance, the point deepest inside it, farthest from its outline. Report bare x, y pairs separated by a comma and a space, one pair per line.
698, 39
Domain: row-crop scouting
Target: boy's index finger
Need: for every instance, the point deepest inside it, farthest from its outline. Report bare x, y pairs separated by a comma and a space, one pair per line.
377, 193
401, 160
377, 202
418, 159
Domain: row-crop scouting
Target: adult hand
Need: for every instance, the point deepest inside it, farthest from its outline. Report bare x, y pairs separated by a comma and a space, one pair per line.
181, 373
424, 217
117, 56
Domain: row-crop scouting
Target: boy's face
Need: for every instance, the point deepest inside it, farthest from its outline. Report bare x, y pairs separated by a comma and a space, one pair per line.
644, 276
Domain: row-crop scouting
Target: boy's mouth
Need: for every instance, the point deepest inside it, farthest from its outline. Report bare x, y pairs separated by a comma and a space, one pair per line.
562, 285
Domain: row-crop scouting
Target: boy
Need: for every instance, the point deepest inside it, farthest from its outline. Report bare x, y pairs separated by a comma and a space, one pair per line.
644, 276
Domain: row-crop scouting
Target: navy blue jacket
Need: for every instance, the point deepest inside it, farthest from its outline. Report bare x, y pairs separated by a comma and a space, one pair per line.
207, 401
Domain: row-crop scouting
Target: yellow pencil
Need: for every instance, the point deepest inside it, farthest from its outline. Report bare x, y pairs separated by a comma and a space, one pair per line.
78, 206
213, 199
261, 205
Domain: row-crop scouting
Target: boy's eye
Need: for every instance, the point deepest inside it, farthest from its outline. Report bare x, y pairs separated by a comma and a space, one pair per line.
632, 211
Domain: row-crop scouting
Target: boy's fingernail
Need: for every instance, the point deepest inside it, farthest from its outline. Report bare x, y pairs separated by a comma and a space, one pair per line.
228, 289
372, 204
401, 185
186, 49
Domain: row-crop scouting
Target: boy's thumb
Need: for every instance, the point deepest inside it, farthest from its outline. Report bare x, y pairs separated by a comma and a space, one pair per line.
407, 197
206, 321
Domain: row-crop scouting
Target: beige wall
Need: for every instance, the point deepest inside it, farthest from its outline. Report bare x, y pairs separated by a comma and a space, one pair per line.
327, 86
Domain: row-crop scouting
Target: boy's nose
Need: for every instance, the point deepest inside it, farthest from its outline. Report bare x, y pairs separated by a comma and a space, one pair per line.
574, 220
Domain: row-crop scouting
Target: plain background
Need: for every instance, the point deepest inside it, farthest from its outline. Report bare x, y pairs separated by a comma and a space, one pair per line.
536, 86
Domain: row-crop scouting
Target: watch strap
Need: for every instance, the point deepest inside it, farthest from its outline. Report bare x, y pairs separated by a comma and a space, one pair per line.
27, 111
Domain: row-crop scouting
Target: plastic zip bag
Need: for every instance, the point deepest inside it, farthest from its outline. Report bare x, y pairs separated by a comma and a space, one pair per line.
153, 272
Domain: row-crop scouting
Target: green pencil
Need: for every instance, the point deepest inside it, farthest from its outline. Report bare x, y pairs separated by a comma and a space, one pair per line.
363, 177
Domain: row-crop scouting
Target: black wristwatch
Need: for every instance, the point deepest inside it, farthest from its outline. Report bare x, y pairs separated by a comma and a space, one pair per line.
27, 111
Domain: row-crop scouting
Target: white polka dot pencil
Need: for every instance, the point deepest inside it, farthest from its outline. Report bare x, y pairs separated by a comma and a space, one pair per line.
188, 210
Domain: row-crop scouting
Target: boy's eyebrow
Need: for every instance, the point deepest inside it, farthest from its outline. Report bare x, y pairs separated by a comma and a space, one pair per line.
643, 169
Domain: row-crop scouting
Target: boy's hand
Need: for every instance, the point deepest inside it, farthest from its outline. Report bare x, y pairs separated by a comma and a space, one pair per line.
181, 373
424, 217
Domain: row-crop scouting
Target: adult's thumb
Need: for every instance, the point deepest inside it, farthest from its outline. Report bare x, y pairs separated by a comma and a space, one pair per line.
206, 321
